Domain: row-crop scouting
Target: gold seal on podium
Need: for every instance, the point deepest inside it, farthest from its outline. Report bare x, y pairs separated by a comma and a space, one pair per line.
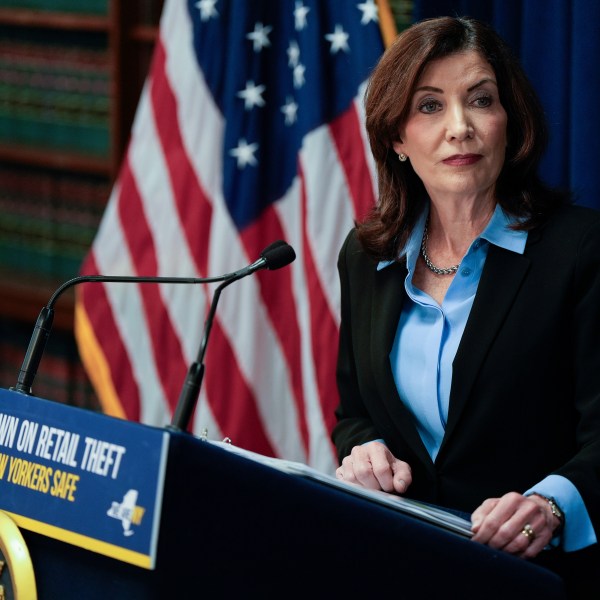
17, 579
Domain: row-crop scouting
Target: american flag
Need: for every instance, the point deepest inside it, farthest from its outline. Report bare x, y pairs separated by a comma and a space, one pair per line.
249, 130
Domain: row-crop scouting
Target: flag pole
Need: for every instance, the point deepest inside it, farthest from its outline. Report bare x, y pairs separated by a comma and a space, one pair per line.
387, 24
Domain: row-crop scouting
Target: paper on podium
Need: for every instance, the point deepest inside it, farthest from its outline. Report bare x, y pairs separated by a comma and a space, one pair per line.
421, 510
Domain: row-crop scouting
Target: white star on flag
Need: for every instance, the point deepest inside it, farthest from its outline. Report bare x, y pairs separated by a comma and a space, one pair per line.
338, 39
369, 12
290, 110
207, 9
244, 153
260, 37
252, 95
300, 13
293, 53
299, 76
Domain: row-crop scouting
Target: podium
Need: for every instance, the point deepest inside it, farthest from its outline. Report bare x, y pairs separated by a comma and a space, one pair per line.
231, 527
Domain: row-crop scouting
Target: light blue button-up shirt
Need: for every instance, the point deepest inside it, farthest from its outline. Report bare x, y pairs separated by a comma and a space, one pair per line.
426, 342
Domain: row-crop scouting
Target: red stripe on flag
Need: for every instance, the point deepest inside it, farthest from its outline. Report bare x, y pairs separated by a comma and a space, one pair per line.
277, 296
98, 310
141, 247
230, 398
324, 331
346, 133
193, 206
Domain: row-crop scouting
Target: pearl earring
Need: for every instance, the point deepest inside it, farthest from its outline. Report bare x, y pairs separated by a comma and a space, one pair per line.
402, 157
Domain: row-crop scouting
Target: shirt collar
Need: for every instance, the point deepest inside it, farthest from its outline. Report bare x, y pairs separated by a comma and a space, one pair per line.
497, 232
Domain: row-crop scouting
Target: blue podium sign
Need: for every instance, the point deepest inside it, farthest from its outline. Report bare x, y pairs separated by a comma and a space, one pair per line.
82, 477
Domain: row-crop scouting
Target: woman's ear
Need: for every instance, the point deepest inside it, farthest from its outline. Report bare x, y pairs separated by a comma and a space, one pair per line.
398, 146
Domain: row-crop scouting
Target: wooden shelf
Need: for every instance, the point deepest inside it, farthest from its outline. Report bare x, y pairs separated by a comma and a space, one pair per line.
53, 158
53, 20
144, 34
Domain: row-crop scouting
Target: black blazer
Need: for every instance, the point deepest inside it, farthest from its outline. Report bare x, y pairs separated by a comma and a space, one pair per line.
525, 395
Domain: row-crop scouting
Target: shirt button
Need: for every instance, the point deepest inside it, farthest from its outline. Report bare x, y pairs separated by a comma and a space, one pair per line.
465, 272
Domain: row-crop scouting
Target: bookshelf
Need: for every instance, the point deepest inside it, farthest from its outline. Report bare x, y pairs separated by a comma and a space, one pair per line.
71, 72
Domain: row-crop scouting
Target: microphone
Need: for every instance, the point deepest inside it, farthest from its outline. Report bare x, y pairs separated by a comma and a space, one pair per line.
276, 255
43, 325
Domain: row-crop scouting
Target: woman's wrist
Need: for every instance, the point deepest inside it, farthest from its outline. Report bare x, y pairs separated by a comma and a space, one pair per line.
556, 512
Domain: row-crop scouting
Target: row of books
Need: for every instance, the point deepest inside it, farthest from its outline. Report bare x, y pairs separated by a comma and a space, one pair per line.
48, 220
55, 95
145, 12
94, 7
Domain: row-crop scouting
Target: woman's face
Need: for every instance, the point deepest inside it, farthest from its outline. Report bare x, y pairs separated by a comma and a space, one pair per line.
455, 134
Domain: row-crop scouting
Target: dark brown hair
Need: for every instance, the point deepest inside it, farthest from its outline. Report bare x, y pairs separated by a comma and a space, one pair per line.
387, 102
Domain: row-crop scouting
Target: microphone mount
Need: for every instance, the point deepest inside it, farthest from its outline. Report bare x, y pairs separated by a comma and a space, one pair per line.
275, 256
43, 325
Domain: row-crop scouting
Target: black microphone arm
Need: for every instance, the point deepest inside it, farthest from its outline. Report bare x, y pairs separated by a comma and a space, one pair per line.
276, 255
43, 326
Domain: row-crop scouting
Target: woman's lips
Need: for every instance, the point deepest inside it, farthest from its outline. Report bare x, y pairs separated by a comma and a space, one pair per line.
459, 160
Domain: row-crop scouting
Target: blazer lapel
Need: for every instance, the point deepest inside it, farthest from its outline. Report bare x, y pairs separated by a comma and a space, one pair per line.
500, 281
388, 298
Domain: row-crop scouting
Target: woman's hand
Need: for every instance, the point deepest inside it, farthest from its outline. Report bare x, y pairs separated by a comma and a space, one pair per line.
520, 525
373, 466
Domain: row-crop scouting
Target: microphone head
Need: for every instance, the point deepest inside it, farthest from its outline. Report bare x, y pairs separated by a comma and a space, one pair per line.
277, 255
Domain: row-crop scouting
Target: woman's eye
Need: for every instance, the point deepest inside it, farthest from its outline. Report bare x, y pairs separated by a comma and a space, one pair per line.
428, 106
483, 101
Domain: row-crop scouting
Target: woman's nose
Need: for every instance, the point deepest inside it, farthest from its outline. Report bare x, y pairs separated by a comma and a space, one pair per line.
458, 125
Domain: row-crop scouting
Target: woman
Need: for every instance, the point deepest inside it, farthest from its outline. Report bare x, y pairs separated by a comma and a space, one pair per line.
469, 348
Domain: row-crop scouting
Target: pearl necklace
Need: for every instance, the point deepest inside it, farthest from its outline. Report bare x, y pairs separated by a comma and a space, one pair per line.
432, 267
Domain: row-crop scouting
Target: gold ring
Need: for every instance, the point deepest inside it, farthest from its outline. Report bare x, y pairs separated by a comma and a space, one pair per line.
528, 532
